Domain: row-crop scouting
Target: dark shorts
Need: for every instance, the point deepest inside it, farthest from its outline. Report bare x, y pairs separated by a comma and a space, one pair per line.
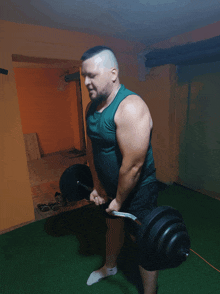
140, 204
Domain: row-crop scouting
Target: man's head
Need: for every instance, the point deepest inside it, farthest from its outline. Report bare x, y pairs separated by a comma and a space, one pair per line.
100, 70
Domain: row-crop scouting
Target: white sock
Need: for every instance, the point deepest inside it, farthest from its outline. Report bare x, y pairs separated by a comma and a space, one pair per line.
98, 275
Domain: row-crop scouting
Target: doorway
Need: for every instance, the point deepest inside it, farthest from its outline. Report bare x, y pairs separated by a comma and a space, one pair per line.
52, 123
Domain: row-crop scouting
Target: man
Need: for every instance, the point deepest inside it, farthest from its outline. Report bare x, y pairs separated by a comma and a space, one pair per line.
119, 127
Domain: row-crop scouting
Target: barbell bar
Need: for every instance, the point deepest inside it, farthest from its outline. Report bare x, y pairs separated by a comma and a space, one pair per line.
115, 213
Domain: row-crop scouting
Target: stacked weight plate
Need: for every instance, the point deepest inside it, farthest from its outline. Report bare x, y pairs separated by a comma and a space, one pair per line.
164, 241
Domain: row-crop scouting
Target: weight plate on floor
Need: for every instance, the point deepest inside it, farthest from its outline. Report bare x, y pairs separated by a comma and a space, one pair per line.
68, 182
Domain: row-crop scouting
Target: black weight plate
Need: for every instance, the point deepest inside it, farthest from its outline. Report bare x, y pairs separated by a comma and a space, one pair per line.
69, 188
151, 218
159, 227
167, 235
179, 241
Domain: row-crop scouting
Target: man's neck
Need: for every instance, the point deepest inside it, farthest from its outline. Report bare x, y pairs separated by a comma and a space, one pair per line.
108, 101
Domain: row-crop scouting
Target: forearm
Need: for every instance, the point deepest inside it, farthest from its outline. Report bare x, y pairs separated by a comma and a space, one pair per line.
97, 184
128, 178
96, 181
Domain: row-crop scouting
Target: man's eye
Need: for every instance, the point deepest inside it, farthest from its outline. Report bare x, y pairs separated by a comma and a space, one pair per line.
92, 76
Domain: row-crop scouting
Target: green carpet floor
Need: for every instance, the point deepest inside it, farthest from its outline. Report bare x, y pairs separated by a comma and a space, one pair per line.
58, 254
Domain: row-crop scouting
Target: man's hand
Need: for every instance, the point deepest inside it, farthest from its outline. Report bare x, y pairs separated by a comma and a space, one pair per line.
113, 206
95, 197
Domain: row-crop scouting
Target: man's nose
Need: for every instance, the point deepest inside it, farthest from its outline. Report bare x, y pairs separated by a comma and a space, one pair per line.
87, 81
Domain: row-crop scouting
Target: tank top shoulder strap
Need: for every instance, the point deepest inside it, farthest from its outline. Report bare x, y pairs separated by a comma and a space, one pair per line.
121, 95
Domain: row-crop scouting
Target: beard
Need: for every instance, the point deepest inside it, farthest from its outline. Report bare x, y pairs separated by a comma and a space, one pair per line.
99, 98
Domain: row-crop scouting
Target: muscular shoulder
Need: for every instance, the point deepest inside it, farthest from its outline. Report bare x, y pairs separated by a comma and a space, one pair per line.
132, 106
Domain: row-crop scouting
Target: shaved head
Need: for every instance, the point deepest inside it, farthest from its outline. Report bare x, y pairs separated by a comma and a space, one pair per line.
104, 57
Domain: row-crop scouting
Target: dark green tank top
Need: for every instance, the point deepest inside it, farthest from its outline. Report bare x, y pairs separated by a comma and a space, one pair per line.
101, 129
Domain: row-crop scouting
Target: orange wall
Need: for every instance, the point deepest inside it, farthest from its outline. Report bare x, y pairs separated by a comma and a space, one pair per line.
44, 110
16, 202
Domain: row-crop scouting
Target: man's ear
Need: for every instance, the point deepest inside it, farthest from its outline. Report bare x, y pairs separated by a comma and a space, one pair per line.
114, 72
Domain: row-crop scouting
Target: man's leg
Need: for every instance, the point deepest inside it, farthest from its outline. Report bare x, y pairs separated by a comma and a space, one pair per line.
114, 240
149, 278
114, 243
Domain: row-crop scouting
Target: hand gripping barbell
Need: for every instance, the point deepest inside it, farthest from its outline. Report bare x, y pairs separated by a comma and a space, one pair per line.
163, 240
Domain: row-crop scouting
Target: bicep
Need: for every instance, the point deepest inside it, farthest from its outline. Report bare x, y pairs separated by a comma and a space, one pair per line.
133, 133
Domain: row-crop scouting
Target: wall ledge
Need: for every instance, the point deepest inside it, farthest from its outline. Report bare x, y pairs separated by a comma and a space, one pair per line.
16, 227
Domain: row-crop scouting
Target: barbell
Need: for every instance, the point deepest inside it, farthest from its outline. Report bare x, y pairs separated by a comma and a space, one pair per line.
163, 240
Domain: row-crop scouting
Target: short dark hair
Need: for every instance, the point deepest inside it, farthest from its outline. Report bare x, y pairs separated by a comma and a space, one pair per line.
93, 51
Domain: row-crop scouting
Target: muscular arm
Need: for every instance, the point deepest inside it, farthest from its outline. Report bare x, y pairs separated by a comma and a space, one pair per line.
133, 127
